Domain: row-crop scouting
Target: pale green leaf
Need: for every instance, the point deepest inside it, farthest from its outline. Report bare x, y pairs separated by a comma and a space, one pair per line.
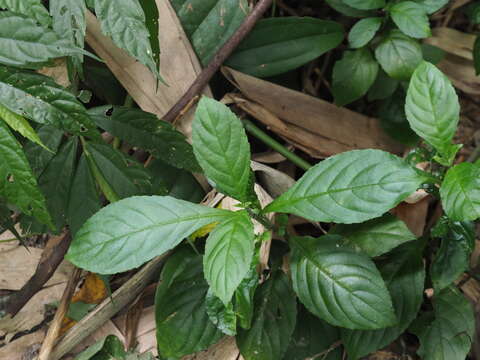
277, 45
182, 323
339, 285
432, 107
17, 182
460, 192
32, 8
404, 274
18, 123
273, 321
124, 22
450, 335
432, 6
222, 149
353, 75
145, 226
411, 18
228, 254
365, 4
399, 55
375, 237
351, 187
363, 31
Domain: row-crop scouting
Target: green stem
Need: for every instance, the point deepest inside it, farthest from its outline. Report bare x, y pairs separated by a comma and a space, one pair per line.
128, 101
275, 145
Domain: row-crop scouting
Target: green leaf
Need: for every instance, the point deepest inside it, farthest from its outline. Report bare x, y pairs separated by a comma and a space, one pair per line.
433, 54
399, 55
210, 23
404, 274
375, 237
146, 226
353, 75
18, 123
146, 131
277, 45
108, 348
222, 149
104, 84
78, 310
432, 109
432, 6
69, 23
341, 7
124, 22
453, 257
38, 156
339, 285
244, 296
476, 55
124, 175
383, 87
151, 21
393, 120
311, 337
273, 322
221, 315
24, 43
411, 18
182, 323
351, 187
449, 336
84, 200
40, 99
228, 255
55, 183
365, 4
17, 182
34, 9
363, 31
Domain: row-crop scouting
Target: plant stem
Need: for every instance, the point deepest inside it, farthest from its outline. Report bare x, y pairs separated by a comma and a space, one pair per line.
222, 54
474, 155
275, 145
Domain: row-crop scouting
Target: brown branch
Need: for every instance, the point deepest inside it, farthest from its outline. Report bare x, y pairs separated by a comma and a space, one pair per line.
222, 54
52, 256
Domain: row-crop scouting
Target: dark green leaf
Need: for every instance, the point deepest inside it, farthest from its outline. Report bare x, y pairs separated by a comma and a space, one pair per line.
411, 18
273, 322
222, 149
244, 296
365, 4
38, 156
228, 255
40, 99
364, 31
453, 257
124, 175
221, 315
311, 337
145, 130
351, 187
145, 226
399, 55
449, 336
432, 6
210, 23
17, 182
394, 121
432, 53
32, 8
78, 310
109, 348
84, 200
104, 84
278, 45
151, 21
341, 7
375, 237
404, 274
124, 22
183, 326
432, 108
24, 43
339, 285
383, 87
353, 75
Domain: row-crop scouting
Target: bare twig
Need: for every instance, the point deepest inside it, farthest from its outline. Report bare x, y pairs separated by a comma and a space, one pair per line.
223, 53
52, 256
62, 310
